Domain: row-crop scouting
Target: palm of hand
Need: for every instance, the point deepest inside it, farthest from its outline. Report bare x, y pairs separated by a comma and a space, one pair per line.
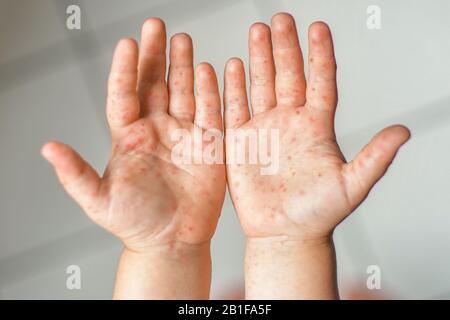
310, 170
149, 198
145, 198
314, 188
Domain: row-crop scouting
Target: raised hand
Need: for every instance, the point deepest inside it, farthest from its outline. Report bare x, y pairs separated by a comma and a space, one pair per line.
144, 198
314, 188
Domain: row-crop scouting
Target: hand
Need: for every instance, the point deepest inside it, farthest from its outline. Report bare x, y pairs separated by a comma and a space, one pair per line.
314, 188
288, 217
143, 197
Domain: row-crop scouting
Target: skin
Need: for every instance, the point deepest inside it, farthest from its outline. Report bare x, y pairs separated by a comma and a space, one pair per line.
165, 213
289, 217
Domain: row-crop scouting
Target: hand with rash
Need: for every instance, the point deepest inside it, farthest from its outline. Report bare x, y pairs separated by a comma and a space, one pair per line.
144, 198
315, 188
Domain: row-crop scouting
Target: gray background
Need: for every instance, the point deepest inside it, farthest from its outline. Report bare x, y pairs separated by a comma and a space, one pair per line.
52, 86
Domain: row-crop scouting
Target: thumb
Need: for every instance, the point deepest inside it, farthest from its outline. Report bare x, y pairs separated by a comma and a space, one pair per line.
371, 163
79, 179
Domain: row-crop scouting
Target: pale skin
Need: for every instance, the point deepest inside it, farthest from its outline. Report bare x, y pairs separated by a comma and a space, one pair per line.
164, 213
288, 218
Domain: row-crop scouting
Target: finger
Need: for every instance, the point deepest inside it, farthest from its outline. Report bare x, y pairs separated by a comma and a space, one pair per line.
181, 78
262, 69
152, 67
290, 83
122, 105
322, 90
79, 179
235, 95
207, 112
372, 161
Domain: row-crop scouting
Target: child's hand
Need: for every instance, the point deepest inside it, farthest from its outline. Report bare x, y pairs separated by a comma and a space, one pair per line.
143, 197
314, 188
288, 217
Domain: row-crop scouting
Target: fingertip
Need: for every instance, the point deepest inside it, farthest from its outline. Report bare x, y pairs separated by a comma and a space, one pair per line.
402, 131
282, 22
153, 25
398, 132
56, 153
234, 66
181, 40
126, 44
399, 135
319, 27
206, 80
49, 149
386, 143
259, 31
125, 55
318, 31
204, 70
46, 150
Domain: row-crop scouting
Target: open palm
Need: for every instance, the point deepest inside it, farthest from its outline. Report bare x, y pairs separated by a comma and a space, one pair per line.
145, 198
314, 188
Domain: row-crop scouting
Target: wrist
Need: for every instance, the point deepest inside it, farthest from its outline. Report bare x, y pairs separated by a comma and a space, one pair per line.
273, 250
287, 242
290, 268
172, 271
172, 250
